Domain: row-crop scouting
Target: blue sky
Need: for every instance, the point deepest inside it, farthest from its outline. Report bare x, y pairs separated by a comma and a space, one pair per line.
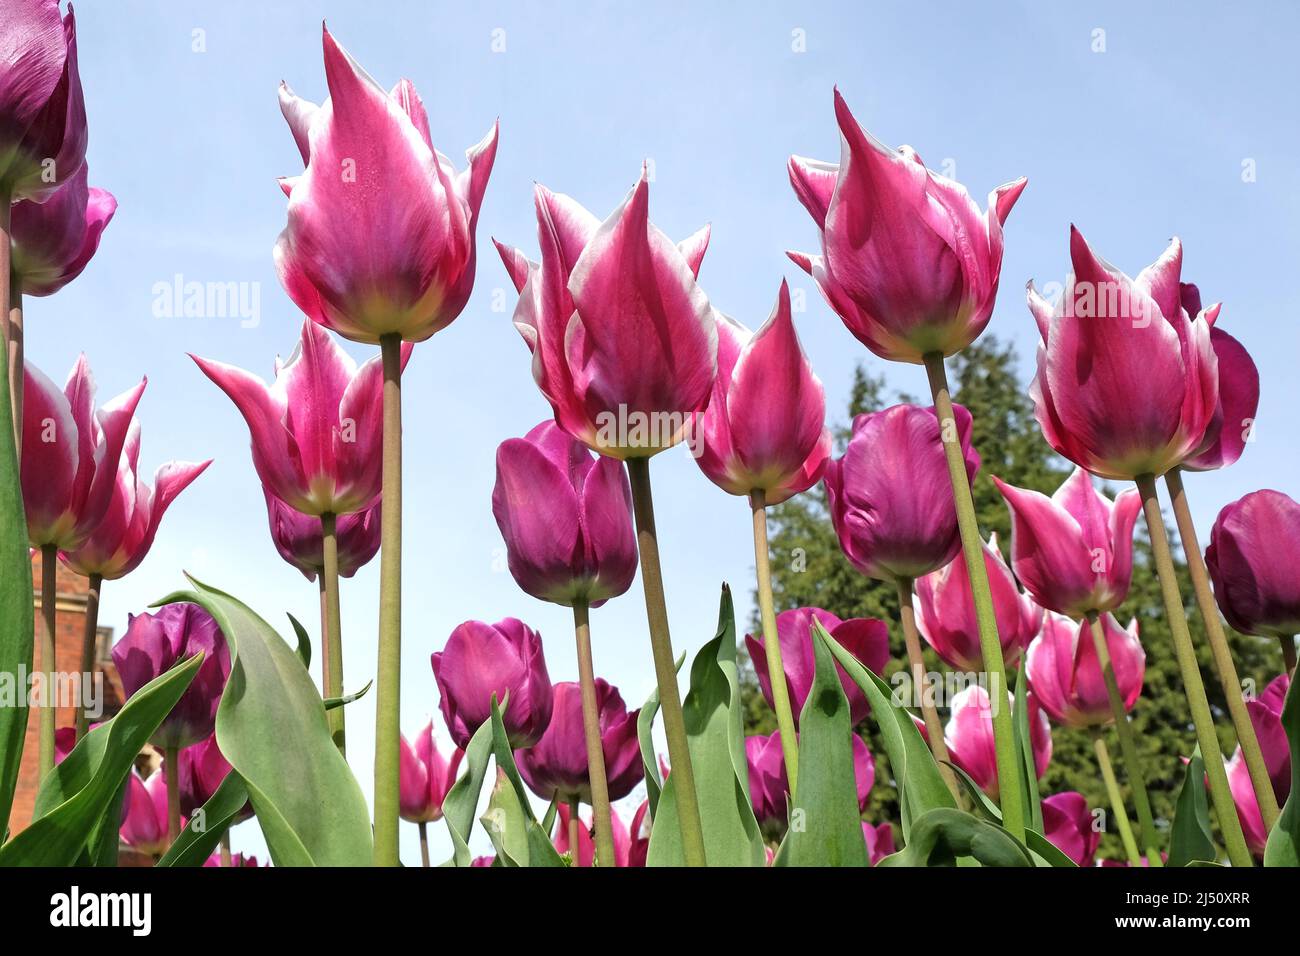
1144, 140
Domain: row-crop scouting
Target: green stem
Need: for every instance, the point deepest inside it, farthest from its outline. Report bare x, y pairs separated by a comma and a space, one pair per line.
11, 300
1127, 745
424, 844
388, 691
89, 640
591, 733
1224, 808
171, 768
227, 858
771, 640
661, 646
1288, 655
49, 667
1116, 799
575, 855
332, 659
1010, 786
1222, 655
921, 681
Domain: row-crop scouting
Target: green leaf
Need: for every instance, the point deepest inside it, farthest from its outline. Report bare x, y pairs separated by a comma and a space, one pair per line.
332, 702
304, 641
462, 799
1044, 851
1283, 847
941, 836
1020, 735
645, 722
203, 832
1190, 838
271, 727
712, 713
515, 829
90, 786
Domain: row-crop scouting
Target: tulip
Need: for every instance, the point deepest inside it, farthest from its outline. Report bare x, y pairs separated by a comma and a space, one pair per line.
144, 823
237, 860
54, 241
201, 770
482, 661
946, 613
969, 737
880, 841
1066, 676
566, 518
1266, 716
909, 262
484, 860
769, 787
1238, 393
1069, 824
380, 233
630, 846
867, 639
1251, 562
426, 777
1073, 552
299, 540
638, 832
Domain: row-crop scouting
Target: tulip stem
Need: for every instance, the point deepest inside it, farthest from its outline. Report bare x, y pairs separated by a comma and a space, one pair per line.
591, 732
226, 857
332, 658
424, 844
89, 638
1224, 808
670, 700
1288, 655
921, 681
575, 854
1223, 662
388, 691
11, 299
1127, 745
1010, 785
49, 673
171, 767
1116, 799
772, 641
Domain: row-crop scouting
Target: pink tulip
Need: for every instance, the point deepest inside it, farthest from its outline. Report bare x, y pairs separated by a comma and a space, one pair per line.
70, 455
638, 833
909, 261
946, 611
1266, 717
555, 768
380, 232
299, 540
769, 787
1127, 381
317, 431
969, 736
566, 518
867, 639
624, 341
154, 644
483, 860
1066, 677
889, 494
236, 860
1251, 560
125, 534
144, 821
630, 845
201, 769
42, 114
880, 841
764, 429
425, 777
1234, 418
1070, 826
65, 741
1073, 552
482, 660
54, 241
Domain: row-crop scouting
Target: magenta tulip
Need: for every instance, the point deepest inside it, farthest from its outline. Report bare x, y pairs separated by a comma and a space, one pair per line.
1251, 560
630, 844
769, 786
1068, 822
144, 819
1065, 674
425, 777
624, 341
201, 769
566, 518
867, 639
54, 241
880, 841
946, 611
909, 261
889, 494
317, 431
236, 859
1266, 717
380, 232
154, 644
1127, 380
485, 660
1234, 419
125, 534
1073, 552
764, 429
70, 457
969, 736
42, 114
299, 540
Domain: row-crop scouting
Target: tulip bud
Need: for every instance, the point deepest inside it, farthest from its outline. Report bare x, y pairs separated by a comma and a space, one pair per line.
1234, 416
969, 737
425, 777
300, 541
1066, 677
769, 787
54, 241
144, 819
201, 769
1251, 561
880, 841
1070, 826
1266, 717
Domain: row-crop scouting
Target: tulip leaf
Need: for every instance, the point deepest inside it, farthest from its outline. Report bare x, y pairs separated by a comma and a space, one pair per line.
1283, 847
941, 836
518, 837
462, 799
1023, 741
645, 721
1189, 838
1044, 851
201, 835
825, 820
712, 714
93, 783
70, 775
309, 805
304, 641
332, 702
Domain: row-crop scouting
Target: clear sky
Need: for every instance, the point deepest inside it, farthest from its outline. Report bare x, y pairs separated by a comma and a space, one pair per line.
1136, 124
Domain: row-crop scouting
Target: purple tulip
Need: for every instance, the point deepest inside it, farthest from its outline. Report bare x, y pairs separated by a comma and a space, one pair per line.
482, 660
236, 859
566, 518
201, 770
630, 844
144, 817
910, 262
154, 644
769, 786
425, 776
1065, 675
1266, 717
1070, 826
1073, 552
299, 539
54, 240
889, 494
946, 611
969, 737
880, 841
867, 639
1251, 560
1234, 418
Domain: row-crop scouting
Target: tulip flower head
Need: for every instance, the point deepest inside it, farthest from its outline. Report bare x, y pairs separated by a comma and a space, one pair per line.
624, 340
880, 841
969, 736
504, 660
764, 429
769, 787
299, 539
1266, 717
144, 819
1128, 381
380, 233
909, 261
1251, 560
1066, 677
236, 859
201, 769
630, 843
1073, 552
889, 494
425, 776
566, 518
1233, 424
1069, 823
54, 240
71, 453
